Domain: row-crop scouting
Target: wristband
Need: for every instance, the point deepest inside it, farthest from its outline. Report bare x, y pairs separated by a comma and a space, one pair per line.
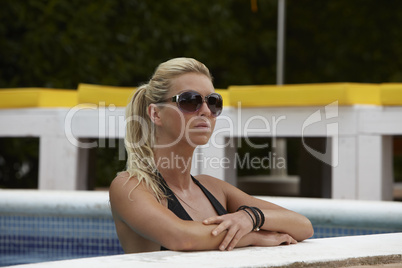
257, 219
256, 222
252, 219
262, 217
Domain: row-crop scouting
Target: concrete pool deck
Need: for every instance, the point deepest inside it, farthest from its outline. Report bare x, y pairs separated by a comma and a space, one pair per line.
326, 252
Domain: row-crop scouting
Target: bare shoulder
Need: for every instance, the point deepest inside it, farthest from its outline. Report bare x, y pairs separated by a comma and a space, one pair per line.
219, 188
119, 182
232, 196
123, 186
212, 182
124, 180
120, 179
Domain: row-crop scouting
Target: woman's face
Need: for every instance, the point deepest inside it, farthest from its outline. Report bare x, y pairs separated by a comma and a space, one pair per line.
180, 127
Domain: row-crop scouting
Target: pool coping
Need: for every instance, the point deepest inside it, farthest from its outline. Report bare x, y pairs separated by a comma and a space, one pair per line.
330, 252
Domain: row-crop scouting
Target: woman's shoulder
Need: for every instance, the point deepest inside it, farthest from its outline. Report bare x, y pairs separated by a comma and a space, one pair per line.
121, 178
213, 184
207, 179
126, 189
219, 186
123, 181
203, 178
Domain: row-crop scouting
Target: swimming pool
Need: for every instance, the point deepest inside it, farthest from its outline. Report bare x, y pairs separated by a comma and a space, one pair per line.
37, 226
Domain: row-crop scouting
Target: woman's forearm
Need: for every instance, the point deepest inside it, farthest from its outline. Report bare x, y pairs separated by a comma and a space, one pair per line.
286, 221
197, 236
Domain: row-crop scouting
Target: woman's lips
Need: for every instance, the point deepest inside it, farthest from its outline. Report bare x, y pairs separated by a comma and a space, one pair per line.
203, 125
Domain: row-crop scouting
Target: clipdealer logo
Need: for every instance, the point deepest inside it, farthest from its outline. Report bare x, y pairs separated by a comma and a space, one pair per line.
331, 155
112, 125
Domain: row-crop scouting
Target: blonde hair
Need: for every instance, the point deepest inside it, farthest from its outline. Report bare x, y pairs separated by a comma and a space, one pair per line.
139, 138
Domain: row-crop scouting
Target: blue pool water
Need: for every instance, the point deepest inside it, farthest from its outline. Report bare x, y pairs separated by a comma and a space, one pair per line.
29, 239
39, 226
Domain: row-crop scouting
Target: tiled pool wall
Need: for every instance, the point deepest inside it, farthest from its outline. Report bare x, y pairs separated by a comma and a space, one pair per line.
67, 230
27, 239
322, 231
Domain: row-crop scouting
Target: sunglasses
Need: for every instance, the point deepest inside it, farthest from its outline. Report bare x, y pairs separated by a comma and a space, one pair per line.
191, 102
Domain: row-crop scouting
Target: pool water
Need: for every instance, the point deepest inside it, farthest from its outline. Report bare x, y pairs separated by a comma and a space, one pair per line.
30, 239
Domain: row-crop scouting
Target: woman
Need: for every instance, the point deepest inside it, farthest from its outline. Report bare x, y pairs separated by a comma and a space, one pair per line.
157, 204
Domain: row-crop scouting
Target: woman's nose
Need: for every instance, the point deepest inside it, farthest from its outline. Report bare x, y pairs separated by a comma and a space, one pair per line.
204, 110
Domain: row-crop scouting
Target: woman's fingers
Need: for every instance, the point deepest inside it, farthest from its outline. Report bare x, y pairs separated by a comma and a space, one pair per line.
287, 240
213, 220
239, 234
230, 237
233, 236
270, 238
222, 225
236, 224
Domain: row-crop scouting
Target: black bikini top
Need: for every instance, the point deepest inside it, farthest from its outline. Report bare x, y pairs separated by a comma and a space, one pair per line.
175, 206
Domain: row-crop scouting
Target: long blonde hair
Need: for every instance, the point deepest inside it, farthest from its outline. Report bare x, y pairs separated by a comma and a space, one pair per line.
139, 138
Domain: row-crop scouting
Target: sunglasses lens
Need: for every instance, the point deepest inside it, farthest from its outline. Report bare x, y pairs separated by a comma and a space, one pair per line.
215, 103
190, 101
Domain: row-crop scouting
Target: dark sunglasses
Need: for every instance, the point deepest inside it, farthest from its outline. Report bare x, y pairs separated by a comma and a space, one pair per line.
191, 101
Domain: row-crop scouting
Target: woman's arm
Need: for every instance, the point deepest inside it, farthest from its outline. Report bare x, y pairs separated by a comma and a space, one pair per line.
277, 219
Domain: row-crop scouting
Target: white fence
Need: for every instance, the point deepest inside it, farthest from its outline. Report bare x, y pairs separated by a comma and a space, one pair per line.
359, 147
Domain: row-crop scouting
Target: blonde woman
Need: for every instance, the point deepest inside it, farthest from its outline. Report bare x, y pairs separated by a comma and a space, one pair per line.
157, 204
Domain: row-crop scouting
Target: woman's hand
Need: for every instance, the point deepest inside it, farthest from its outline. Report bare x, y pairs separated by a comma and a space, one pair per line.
237, 225
269, 239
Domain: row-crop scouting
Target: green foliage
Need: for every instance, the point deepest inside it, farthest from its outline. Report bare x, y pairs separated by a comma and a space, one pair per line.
344, 41
62, 43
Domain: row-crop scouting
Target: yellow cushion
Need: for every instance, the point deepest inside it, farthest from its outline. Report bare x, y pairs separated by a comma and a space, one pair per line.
391, 94
304, 94
249, 96
37, 97
363, 94
107, 95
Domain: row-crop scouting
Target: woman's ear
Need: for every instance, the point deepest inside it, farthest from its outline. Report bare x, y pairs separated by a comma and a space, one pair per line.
153, 112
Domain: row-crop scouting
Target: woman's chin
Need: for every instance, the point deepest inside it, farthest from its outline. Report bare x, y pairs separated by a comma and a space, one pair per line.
198, 141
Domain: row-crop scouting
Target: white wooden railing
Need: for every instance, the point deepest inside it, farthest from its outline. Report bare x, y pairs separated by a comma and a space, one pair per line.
359, 147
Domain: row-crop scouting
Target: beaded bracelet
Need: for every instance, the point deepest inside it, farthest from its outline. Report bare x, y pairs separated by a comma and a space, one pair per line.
257, 219
262, 217
244, 208
258, 214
